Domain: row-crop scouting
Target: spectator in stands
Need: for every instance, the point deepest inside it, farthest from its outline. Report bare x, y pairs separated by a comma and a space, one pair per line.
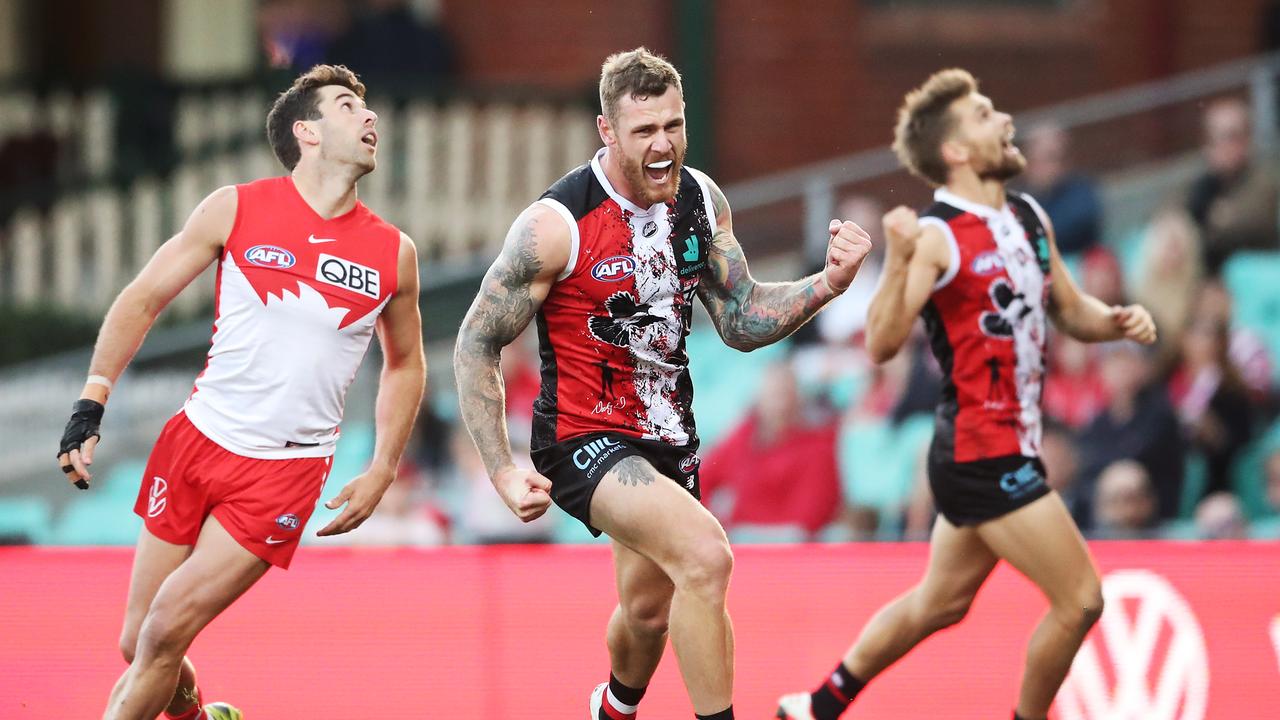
1102, 277
1170, 278
297, 33
1125, 505
1074, 392
777, 468
406, 515
1249, 352
429, 444
844, 318
1236, 201
519, 366
1220, 517
1070, 198
1061, 464
480, 516
391, 44
1212, 400
1138, 424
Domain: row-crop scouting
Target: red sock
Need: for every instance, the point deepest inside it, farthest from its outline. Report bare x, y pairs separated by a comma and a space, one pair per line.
192, 714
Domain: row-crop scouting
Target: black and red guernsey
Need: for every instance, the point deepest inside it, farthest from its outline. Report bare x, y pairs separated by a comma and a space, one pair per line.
611, 332
987, 326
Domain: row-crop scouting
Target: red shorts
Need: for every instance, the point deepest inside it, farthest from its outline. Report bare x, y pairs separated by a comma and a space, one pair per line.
264, 504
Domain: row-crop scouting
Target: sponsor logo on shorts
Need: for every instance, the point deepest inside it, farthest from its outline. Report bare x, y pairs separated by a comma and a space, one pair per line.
690, 462
156, 500
270, 256
988, 263
1022, 481
584, 455
650, 228
288, 521
614, 269
348, 275
273, 540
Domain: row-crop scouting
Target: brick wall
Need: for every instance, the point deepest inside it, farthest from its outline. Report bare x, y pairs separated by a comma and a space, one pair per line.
798, 82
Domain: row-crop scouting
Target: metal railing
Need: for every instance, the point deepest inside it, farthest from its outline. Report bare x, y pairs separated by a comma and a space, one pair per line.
817, 185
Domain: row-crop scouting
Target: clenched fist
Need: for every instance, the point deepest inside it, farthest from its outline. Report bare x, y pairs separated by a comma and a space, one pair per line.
902, 231
848, 246
527, 493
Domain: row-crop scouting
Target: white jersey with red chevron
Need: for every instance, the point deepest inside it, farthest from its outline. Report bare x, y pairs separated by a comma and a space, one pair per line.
297, 299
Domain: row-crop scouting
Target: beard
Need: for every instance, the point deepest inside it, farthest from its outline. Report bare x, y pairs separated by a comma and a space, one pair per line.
633, 171
1005, 168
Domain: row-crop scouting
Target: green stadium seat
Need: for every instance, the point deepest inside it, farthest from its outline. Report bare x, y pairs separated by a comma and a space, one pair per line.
1248, 473
1194, 480
97, 520
24, 520
767, 534
878, 464
1254, 281
122, 479
1267, 528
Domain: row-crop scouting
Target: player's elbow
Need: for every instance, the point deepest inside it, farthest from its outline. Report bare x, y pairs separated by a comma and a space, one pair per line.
880, 350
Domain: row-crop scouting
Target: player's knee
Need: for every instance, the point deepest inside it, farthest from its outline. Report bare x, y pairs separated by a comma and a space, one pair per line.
949, 612
707, 566
128, 644
1084, 608
648, 615
165, 634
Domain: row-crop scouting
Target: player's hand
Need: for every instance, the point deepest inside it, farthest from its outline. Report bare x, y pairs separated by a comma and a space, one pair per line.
901, 231
361, 497
75, 452
848, 246
527, 493
1135, 322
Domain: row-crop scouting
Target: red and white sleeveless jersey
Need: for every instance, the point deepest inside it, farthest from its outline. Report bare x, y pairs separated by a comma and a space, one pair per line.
296, 300
987, 327
612, 330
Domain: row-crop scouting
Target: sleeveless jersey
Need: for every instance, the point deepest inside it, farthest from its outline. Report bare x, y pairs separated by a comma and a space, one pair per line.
986, 325
296, 300
611, 332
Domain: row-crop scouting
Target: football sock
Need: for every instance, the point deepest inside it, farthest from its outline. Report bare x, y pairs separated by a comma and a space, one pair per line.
620, 701
725, 714
191, 714
834, 695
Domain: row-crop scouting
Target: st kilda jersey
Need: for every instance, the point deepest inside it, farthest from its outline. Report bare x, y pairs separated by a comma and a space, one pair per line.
611, 332
986, 324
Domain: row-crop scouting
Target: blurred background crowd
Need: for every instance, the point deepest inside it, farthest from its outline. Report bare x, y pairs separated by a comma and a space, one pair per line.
1157, 163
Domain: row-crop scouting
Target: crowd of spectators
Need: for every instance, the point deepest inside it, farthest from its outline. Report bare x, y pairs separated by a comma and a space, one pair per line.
1170, 441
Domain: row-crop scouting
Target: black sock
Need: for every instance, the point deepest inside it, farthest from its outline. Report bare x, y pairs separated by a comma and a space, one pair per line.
834, 695
725, 714
1016, 716
623, 694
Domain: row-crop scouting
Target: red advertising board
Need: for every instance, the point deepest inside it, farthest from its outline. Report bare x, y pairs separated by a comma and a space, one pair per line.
1191, 631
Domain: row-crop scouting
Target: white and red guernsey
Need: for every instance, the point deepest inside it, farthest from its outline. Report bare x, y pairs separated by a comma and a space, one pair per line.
612, 330
986, 323
297, 299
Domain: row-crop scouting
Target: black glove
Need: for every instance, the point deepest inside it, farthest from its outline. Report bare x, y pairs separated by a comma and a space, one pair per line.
86, 418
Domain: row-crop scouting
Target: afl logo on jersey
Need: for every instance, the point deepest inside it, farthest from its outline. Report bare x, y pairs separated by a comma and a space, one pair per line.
689, 463
988, 263
269, 256
618, 267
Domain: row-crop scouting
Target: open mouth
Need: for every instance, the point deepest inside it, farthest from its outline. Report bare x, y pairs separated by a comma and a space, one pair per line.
659, 171
1006, 144
370, 138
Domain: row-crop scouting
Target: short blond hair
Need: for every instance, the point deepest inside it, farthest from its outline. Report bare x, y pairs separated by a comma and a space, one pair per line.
636, 73
925, 120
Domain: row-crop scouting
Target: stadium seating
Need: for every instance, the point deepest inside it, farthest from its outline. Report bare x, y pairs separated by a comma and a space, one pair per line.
878, 465
1253, 279
24, 519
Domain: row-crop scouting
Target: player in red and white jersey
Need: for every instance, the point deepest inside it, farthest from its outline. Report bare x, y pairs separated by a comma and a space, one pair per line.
306, 274
609, 261
981, 266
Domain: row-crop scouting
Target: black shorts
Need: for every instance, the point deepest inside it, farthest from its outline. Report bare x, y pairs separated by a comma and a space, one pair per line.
973, 492
576, 466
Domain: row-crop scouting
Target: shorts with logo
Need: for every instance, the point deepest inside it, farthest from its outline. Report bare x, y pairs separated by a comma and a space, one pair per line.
970, 493
263, 504
577, 465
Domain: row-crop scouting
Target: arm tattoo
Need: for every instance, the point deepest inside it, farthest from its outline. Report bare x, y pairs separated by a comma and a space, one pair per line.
633, 471
500, 312
750, 314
